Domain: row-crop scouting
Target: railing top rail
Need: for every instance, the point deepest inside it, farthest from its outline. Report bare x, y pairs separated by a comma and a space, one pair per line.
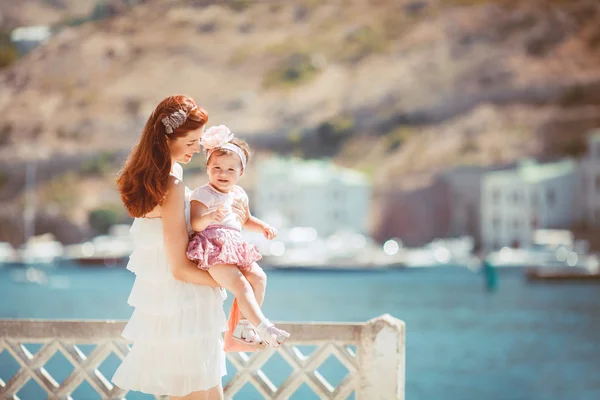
76, 330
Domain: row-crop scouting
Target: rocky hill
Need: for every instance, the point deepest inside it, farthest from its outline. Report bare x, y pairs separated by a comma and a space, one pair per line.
399, 89
56, 12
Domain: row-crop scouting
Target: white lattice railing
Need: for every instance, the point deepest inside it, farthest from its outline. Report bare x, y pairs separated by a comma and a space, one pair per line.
371, 352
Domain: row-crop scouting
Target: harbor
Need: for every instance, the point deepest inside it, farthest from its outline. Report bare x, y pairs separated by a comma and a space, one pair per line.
505, 338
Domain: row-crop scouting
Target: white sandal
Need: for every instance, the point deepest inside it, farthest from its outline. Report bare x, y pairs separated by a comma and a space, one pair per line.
247, 334
272, 335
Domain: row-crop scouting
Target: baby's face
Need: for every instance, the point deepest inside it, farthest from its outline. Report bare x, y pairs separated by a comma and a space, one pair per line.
224, 171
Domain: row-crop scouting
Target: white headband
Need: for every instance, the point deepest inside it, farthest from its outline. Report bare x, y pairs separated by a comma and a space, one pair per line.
220, 137
235, 149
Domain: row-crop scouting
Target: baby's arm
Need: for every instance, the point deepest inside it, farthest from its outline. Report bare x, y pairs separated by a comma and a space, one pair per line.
200, 219
254, 224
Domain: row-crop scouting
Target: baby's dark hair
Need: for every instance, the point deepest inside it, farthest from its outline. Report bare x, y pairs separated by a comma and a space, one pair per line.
241, 143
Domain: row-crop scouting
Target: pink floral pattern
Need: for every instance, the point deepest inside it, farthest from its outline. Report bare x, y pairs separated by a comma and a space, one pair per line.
220, 244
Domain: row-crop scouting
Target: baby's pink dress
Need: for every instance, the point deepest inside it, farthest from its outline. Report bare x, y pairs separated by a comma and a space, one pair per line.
221, 243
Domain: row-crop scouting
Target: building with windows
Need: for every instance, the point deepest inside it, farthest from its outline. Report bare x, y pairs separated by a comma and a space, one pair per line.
590, 182
292, 192
516, 202
463, 196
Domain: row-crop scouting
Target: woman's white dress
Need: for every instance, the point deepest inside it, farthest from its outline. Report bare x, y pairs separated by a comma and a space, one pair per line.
176, 327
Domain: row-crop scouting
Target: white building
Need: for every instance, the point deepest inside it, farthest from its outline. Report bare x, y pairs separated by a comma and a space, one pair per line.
292, 192
516, 202
26, 38
463, 188
590, 180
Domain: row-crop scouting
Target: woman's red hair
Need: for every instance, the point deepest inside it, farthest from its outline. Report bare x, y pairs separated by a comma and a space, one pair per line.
143, 180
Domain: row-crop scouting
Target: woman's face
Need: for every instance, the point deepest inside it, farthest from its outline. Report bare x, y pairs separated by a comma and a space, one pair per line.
182, 149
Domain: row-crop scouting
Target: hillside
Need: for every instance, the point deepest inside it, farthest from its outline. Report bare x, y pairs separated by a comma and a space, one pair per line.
400, 90
56, 12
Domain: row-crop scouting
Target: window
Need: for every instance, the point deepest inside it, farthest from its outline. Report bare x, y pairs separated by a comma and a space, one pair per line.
516, 197
292, 218
336, 195
496, 223
496, 196
534, 222
551, 197
336, 215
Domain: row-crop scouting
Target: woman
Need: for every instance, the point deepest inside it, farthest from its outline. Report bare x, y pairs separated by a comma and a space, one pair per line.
178, 318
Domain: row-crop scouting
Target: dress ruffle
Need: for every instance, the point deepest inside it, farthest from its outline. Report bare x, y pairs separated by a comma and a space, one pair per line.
219, 244
176, 327
173, 369
185, 324
167, 296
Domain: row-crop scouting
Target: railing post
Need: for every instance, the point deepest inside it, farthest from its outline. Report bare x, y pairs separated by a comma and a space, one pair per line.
381, 355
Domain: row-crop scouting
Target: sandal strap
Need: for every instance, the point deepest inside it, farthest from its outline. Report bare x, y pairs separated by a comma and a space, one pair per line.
267, 330
247, 332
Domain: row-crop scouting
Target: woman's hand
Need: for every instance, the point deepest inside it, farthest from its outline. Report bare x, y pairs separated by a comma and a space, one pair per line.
239, 207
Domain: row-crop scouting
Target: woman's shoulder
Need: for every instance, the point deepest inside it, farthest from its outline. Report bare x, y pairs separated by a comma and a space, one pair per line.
175, 187
177, 171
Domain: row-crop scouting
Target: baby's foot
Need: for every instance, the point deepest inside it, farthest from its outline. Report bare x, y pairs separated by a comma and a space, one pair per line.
271, 334
246, 333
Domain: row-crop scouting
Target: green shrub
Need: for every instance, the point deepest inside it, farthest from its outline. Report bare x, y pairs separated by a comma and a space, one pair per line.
575, 146
99, 165
397, 137
334, 132
8, 55
362, 42
239, 5
573, 95
101, 219
3, 179
295, 70
62, 191
5, 134
8, 52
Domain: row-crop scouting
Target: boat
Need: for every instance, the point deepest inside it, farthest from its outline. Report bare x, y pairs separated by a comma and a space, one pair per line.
110, 250
41, 249
561, 275
8, 254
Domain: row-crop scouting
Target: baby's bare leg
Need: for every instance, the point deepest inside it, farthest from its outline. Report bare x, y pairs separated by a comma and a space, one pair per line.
232, 279
258, 280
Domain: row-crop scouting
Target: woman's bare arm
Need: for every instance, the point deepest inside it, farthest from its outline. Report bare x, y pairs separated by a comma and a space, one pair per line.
176, 238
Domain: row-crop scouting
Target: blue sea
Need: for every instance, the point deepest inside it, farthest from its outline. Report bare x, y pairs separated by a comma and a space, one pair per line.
522, 341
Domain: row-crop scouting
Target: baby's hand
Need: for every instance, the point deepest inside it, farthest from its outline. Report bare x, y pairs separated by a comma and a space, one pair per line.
269, 232
216, 215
